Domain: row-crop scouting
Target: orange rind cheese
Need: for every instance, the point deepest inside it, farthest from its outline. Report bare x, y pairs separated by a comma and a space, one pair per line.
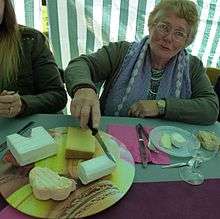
80, 144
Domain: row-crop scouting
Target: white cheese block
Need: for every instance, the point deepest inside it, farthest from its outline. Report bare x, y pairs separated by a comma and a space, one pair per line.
95, 168
31, 149
47, 184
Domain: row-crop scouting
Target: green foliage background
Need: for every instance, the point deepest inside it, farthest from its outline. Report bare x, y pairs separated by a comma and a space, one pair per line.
45, 20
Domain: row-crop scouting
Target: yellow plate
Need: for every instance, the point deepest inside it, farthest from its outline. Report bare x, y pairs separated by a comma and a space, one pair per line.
86, 200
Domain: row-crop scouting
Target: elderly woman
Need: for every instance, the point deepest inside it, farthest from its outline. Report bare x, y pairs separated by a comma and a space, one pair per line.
155, 77
30, 81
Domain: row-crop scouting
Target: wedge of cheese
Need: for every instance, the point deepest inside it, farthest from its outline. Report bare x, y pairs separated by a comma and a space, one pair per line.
27, 150
95, 168
80, 144
46, 184
165, 141
177, 139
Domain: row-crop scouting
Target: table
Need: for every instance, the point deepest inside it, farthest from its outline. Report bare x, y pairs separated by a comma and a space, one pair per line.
157, 192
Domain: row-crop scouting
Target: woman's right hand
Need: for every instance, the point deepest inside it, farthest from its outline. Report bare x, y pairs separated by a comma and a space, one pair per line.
85, 101
10, 104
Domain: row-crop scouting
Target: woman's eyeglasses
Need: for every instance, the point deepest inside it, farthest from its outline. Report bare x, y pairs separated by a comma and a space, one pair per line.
165, 29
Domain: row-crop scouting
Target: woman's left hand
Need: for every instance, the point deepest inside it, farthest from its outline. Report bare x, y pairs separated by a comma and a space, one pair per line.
10, 104
144, 108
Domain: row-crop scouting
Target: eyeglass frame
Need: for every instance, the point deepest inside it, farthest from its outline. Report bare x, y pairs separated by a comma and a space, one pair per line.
174, 32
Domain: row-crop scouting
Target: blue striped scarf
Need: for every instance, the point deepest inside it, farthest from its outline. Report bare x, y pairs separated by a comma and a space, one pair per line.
134, 78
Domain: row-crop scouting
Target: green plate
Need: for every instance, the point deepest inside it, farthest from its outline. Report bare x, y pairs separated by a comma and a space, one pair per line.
85, 200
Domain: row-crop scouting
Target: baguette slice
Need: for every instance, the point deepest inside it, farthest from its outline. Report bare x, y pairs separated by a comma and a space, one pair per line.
47, 184
209, 140
80, 144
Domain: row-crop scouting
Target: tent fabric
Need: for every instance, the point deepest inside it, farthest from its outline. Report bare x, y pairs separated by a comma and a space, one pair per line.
83, 26
28, 12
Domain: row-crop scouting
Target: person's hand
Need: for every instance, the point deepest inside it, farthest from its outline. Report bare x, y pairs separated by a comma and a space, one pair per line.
144, 108
86, 101
10, 104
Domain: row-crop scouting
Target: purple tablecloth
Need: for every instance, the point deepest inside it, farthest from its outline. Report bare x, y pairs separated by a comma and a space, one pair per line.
158, 200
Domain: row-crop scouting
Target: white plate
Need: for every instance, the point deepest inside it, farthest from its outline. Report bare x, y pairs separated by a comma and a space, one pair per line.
186, 150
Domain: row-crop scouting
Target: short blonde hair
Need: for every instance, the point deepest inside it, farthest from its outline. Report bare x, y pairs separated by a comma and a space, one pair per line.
185, 9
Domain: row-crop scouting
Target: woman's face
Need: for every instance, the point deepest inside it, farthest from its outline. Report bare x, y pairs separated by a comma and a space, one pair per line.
168, 35
2, 7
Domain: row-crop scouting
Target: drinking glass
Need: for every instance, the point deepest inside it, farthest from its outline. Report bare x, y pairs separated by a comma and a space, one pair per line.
190, 173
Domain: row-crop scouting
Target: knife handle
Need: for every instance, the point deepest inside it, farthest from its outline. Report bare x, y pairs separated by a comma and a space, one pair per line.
151, 147
144, 151
25, 128
90, 125
22, 131
143, 131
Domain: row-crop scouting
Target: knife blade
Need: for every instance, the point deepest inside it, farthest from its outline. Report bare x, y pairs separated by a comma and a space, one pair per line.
95, 133
144, 151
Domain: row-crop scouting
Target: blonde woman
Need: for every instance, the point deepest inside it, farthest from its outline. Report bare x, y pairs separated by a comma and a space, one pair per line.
155, 77
29, 78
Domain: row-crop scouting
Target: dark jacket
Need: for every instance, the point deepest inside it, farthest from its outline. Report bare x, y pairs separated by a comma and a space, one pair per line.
217, 91
38, 81
104, 66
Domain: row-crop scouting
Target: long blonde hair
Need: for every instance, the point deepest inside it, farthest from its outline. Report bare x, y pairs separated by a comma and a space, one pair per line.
10, 44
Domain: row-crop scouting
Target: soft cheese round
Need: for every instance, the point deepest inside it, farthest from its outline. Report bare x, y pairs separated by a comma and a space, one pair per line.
47, 184
177, 139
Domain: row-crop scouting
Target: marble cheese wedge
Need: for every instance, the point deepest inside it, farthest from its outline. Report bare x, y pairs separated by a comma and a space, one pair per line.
95, 168
27, 150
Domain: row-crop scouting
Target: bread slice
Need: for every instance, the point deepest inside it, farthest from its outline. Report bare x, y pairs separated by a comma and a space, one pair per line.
80, 144
27, 150
209, 140
47, 184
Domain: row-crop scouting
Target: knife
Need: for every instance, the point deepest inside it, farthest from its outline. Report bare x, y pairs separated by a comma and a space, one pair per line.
144, 151
150, 146
24, 131
95, 133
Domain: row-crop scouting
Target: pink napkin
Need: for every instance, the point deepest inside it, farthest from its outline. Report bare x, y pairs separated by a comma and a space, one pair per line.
127, 135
